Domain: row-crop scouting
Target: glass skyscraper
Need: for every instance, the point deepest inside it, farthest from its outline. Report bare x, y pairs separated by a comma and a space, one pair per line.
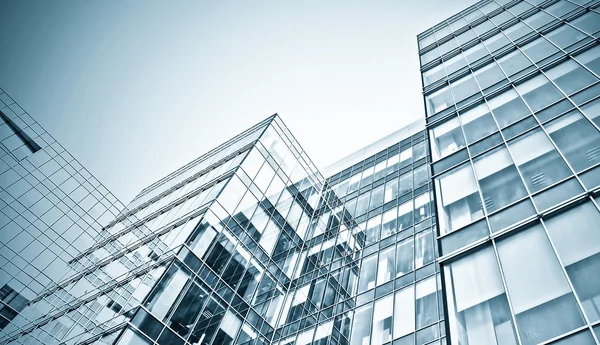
511, 92
477, 225
50, 208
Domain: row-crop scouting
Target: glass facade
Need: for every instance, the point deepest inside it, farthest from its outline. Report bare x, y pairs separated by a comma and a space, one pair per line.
50, 208
476, 225
512, 100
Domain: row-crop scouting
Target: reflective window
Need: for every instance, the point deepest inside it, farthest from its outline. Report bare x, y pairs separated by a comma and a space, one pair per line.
424, 249
404, 312
514, 62
464, 88
447, 138
361, 328
422, 207
391, 190
405, 183
590, 59
589, 22
539, 19
537, 160
458, 199
592, 110
382, 320
576, 237
385, 270
478, 123
538, 92
576, 138
434, 74
479, 312
508, 108
565, 36
368, 272
373, 229
405, 215
377, 197
426, 302
570, 77
404, 257
489, 75
543, 303
498, 179
517, 31
496, 42
455, 63
406, 156
421, 175
475, 53
389, 223
539, 49
379, 170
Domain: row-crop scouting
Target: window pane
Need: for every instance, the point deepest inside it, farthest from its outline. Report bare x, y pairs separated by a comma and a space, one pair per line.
385, 270
576, 138
543, 303
570, 77
457, 198
576, 237
479, 312
565, 36
464, 88
517, 31
539, 49
592, 110
589, 22
498, 179
404, 312
405, 215
391, 190
538, 92
422, 207
426, 302
590, 58
382, 320
508, 108
404, 257
454, 64
361, 328
514, 62
496, 42
489, 75
405, 183
475, 53
434, 74
389, 223
367, 273
538, 161
421, 176
373, 229
423, 249
447, 138
478, 123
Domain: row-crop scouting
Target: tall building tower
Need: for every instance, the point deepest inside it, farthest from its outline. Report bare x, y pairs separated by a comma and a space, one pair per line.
205, 255
50, 208
511, 91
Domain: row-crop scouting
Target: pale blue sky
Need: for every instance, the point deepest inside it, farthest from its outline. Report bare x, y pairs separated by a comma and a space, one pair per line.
136, 89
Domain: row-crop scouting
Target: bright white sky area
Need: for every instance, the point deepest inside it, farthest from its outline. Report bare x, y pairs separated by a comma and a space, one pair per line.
136, 89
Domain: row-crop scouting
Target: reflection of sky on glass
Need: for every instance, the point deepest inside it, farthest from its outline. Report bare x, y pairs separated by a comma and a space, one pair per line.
136, 91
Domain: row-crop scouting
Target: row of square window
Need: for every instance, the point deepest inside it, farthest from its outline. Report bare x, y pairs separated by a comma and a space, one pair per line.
514, 60
480, 23
540, 265
569, 74
386, 155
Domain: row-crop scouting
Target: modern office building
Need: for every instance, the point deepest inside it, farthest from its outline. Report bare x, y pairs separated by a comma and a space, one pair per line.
511, 91
50, 208
476, 225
